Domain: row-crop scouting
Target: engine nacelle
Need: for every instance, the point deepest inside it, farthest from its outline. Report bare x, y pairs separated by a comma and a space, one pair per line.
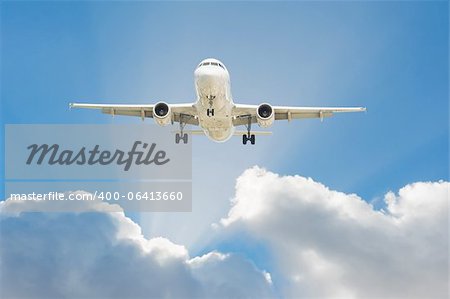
265, 115
162, 114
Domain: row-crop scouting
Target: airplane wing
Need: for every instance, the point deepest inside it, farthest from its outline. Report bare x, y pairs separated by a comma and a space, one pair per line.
242, 113
144, 111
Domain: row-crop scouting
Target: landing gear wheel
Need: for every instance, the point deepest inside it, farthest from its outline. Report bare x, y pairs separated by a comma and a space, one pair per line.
179, 137
210, 112
250, 138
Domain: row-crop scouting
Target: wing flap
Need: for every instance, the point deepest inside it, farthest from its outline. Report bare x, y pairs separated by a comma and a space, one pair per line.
111, 106
292, 115
241, 113
144, 111
139, 113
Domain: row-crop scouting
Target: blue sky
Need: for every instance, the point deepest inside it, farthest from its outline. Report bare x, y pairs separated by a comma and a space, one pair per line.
391, 57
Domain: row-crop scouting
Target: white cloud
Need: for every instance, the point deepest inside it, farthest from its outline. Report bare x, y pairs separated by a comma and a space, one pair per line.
329, 244
212, 268
326, 244
100, 254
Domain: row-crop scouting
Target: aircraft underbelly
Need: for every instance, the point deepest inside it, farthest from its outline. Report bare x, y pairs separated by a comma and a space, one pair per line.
218, 127
220, 135
214, 107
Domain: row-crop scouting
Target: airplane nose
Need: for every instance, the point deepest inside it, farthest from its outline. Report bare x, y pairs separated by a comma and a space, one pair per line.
207, 72
207, 75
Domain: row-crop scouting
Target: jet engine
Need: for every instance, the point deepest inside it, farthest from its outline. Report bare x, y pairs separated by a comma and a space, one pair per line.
265, 115
162, 114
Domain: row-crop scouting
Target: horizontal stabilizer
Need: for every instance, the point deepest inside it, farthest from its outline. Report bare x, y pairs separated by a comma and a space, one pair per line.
256, 133
236, 133
191, 132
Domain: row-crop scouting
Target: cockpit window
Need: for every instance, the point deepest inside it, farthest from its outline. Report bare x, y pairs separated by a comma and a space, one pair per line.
211, 63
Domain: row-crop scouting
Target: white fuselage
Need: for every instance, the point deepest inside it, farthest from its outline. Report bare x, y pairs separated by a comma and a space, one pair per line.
214, 101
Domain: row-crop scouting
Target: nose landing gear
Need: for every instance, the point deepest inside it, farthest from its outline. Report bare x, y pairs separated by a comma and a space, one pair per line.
210, 110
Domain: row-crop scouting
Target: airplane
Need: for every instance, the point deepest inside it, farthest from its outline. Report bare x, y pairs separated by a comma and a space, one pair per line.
214, 110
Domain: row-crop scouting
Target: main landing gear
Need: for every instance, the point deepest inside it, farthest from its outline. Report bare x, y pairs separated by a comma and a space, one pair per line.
210, 112
179, 137
248, 137
182, 136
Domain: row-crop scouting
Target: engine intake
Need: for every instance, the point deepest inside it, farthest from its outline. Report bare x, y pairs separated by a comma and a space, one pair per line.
162, 114
265, 115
